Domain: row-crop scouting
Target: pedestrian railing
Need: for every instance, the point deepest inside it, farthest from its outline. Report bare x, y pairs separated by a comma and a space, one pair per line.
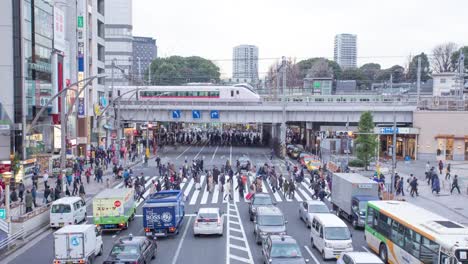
33, 213
11, 239
4, 226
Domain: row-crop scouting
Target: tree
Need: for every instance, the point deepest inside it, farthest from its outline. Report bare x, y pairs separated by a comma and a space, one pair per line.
294, 78
456, 57
442, 57
412, 74
176, 70
396, 73
366, 139
371, 70
305, 65
319, 69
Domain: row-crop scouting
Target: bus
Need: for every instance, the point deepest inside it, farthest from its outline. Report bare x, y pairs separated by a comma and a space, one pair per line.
400, 232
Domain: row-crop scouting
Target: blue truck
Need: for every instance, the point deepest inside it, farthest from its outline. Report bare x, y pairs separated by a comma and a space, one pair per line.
163, 213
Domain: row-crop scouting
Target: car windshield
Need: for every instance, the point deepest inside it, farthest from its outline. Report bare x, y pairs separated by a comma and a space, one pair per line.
123, 249
318, 208
262, 200
270, 220
337, 233
282, 250
61, 208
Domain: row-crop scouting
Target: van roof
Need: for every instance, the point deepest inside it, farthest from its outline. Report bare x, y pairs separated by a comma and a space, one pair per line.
330, 220
73, 229
355, 178
268, 210
66, 200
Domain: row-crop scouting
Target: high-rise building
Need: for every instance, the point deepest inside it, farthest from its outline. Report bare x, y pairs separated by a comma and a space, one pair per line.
245, 64
119, 42
346, 50
144, 52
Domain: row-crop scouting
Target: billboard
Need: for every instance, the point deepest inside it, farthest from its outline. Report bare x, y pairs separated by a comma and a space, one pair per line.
81, 107
59, 29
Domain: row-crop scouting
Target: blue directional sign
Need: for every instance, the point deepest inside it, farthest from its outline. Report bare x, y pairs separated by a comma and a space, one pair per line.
387, 130
214, 114
2, 214
176, 114
196, 114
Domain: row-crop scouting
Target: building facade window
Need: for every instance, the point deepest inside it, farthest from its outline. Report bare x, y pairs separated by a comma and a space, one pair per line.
445, 148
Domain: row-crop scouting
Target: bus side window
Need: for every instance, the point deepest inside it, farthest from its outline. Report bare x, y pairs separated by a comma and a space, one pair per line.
370, 220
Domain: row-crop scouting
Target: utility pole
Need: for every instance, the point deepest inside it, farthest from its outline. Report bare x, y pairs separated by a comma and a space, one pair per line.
418, 83
139, 68
113, 92
149, 74
347, 140
462, 75
393, 151
283, 124
283, 68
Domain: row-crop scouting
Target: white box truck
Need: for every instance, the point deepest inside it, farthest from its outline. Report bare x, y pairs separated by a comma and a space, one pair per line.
77, 244
350, 194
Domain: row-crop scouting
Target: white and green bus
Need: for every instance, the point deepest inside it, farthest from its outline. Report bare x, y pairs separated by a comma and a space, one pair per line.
400, 232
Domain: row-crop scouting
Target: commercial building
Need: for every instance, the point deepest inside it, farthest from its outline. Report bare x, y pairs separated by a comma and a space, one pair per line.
119, 42
346, 50
245, 64
144, 52
318, 86
445, 84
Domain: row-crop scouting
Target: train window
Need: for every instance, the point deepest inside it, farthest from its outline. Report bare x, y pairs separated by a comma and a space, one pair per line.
330, 99
237, 92
232, 93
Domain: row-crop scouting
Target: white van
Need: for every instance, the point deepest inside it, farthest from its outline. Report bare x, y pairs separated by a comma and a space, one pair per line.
67, 211
330, 235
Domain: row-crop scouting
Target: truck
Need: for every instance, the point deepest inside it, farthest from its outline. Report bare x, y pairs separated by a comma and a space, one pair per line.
163, 213
77, 244
350, 194
113, 209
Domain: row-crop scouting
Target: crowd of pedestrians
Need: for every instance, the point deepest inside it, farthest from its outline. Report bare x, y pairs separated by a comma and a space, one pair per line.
212, 137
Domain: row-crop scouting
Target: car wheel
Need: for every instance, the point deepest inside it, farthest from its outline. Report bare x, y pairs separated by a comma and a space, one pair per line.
308, 224
354, 223
259, 241
312, 243
383, 253
251, 217
101, 250
323, 255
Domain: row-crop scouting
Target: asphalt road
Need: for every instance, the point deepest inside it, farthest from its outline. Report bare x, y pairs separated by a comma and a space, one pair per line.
237, 245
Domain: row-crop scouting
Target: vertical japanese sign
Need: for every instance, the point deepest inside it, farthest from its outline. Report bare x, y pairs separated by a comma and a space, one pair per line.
59, 29
81, 66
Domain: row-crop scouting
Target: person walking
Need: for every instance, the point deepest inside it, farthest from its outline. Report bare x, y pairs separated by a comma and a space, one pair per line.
435, 184
291, 188
34, 195
441, 167
75, 187
227, 190
222, 181
45, 178
45, 200
414, 187
82, 191
21, 189
401, 189
447, 174
35, 179
455, 184
29, 201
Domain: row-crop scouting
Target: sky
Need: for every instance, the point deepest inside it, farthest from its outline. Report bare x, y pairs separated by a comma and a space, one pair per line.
388, 31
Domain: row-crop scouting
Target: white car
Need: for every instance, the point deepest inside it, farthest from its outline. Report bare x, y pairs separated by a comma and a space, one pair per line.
209, 221
358, 258
309, 208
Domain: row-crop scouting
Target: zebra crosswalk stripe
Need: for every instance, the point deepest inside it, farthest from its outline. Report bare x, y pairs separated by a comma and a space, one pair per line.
197, 192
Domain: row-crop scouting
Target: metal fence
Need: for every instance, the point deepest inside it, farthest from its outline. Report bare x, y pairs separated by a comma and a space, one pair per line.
11, 239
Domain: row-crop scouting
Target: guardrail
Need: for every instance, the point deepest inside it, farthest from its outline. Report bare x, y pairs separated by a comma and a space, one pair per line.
12, 239
4, 226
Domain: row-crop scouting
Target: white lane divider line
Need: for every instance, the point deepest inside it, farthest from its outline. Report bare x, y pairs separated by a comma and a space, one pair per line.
277, 196
228, 235
246, 248
236, 192
205, 195
214, 154
180, 155
188, 188
311, 254
179, 247
214, 199
200, 151
366, 249
297, 197
197, 192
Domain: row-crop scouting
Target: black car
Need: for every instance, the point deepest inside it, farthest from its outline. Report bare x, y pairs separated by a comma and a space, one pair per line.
135, 250
282, 249
259, 199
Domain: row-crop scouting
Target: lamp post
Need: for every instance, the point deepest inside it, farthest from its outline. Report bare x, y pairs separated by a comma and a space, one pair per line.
6, 178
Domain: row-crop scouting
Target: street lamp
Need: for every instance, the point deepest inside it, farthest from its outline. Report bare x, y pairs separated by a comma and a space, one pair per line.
7, 178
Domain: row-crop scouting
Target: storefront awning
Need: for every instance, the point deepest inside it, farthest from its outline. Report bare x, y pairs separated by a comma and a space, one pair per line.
444, 136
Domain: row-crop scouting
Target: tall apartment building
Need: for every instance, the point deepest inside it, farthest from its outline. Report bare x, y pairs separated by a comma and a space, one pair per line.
144, 52
245, 64
346, 50
119, 42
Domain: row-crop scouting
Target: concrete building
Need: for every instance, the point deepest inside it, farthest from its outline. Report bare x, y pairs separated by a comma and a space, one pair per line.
346, 50
443, 135
318, 86
445, 84
245, 64
144, 52
119, 41
345, 87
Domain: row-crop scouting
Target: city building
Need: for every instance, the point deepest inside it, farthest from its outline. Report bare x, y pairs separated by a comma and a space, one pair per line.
245, 64
346, 50
318, 86
144, 52
119, 42
445, 84
345, 87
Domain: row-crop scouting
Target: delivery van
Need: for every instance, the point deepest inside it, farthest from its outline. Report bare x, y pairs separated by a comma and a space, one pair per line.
330, 236
77, 244
67, 211
113, 209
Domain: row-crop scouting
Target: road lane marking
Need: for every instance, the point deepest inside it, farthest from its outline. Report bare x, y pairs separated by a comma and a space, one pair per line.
214, 199
205, 195
197, 192
228, 235
304, 193
179, 247
277, 196
364, 247
188, 188
312, 255
233, 206
199, 152
241, 259
183, 152
230, 156
214, 154
236, 192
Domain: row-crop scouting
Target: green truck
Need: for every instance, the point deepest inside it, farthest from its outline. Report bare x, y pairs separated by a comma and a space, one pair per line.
113, 209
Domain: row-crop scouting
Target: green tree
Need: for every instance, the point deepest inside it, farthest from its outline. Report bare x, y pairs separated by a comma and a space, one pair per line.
397, 71
412, 74
456, 57
305, 65
177, 70
366, 140
371, 71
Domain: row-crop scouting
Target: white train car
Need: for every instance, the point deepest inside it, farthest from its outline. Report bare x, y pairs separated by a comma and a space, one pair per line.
201, 93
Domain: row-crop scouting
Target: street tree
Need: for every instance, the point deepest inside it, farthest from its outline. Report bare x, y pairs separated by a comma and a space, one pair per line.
442, 57
412, 73
456, 58
176, 70
366, 139
294, 78
396, 73
319, 69
371, 71
305, 65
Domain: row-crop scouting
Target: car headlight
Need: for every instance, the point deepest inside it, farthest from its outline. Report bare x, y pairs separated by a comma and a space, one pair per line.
263, 233
282, 233
349, 245
328, 245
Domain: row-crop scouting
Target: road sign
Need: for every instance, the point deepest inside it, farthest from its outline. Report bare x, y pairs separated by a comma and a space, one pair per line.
387, 130
214, 114
176, 114
2, 214
196, 114
80, 22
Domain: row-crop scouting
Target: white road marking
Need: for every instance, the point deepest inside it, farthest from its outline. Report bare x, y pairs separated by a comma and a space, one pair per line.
183, 152
364, 247
277, 196
214, 199
236, 192
205, 195
189, 187
304, 193
214, 154
179, 247
240, 259
242, 231
148, 190
264, 187
228, 235
297, 197
312, 255
199, 152
197, 192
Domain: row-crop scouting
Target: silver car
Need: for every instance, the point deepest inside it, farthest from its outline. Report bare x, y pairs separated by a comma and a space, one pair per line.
309, 208
269, 221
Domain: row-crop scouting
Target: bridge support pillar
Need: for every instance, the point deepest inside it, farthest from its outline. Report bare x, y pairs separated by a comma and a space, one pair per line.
278, 136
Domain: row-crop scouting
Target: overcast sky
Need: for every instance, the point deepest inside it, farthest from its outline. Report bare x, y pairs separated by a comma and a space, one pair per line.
388, 30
